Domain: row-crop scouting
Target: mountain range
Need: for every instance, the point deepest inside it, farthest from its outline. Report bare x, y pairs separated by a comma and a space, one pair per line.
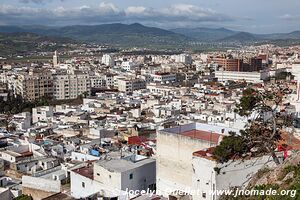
115, 34
140, 35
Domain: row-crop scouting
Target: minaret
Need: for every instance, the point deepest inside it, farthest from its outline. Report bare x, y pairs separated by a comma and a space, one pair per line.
55, 59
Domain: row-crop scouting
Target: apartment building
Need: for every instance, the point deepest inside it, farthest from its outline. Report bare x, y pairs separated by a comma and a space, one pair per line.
184, 58
108, 60
130, 85
34, 84
109, 80
97, 81
70, 86
128, 65
163, 77
228, 64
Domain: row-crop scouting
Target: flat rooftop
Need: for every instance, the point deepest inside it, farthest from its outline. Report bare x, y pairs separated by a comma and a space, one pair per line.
201, 131
85, 171
122, 165
203, 135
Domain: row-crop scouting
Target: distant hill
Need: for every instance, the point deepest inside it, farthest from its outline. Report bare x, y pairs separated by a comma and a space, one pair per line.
227, 35
137, 35
205, 34
117, 34
241, 37
26, 43
293, 35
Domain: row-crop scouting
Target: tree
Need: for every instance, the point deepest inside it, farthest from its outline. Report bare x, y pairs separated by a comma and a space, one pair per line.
231, 147
263, 130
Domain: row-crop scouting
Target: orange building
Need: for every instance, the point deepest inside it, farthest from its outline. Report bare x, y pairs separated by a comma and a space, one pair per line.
228, 64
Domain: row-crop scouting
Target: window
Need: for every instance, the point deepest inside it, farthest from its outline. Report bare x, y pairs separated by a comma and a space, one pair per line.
83, 184
98, 174
109, 176
203, 194
130, 176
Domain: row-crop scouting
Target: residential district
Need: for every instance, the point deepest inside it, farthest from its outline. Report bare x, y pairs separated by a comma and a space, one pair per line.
126, 126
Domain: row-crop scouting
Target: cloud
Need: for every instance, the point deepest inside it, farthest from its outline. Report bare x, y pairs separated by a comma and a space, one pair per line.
36, 1
176, 13
108, 13
288, 17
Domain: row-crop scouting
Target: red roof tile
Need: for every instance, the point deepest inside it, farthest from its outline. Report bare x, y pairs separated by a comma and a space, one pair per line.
203, 135
85, 171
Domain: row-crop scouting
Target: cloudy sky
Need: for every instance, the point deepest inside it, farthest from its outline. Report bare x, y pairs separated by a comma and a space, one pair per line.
257, 16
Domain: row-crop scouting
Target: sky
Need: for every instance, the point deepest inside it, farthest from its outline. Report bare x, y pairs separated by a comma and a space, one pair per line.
256, 16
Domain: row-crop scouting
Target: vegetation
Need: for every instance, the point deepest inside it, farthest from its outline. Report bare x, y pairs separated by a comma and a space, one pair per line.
230, 147
263, 131
27, 43
23, 197
284, 75
16, 104
21, 39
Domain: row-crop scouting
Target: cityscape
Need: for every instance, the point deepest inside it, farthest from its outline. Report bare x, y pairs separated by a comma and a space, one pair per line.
149, 100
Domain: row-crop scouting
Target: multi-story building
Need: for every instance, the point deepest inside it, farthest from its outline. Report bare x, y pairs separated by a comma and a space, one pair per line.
250, 77
184, 58
70, 86
163, 77
130, 85
34, 85
108, 60
97, 81
175, 170
128, 65
109, 80
228, 64
252, 64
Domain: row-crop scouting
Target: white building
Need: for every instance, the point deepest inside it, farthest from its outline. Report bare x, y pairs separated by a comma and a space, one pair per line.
22, 120
111, 177
128, 65
163, 77
238, 173
250, 77
108, 60
130, 85
44, 113
184, 58
175, 148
